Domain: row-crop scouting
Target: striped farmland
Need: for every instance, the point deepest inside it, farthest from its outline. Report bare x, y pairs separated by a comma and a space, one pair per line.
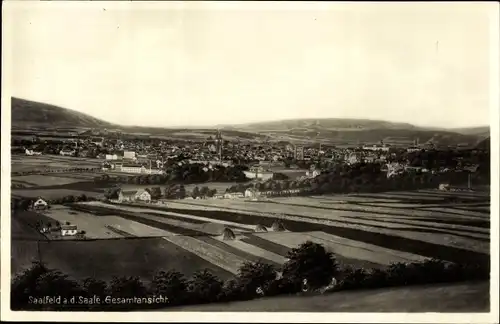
370, 231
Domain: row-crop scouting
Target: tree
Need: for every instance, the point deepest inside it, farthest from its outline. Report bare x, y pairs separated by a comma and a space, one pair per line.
312, 262
182, 192
24, 285
155, 193
95, 287
170, 284
39, 281
127, 287
112, 193
204, 191
204, 287
212, 192
252, 276
196, 192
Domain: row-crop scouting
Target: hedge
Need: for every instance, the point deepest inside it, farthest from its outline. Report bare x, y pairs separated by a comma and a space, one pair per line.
254, 280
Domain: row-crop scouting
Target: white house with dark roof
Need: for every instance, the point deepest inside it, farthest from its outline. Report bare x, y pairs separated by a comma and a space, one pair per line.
68, 230
134, 195
40, 204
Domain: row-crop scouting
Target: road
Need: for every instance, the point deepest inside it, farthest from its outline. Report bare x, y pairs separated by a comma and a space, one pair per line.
463, 298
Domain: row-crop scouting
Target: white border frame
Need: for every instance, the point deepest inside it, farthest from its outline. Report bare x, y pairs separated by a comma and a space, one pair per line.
168, 316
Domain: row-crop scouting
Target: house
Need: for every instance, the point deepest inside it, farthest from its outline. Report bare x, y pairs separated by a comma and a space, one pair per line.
68, 230
313, 173
129, 155
32, 152
111, 157
97, 141
67, 152
134, 195
375, 147
444, 186
252, 193
353, 158
40, 204
413, 149
231, 195
143, 195
126, 195
137, 168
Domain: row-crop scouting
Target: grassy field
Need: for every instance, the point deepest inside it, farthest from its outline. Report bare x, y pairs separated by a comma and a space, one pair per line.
451, 298
53, 185
22, 163
104, 259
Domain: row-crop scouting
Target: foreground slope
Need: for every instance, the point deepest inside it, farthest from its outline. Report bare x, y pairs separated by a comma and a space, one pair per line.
460, 298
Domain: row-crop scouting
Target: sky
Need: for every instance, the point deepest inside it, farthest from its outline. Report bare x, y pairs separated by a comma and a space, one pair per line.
192, 64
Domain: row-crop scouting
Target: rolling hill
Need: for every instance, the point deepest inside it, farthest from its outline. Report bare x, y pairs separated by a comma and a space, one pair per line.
26, 113
340, 131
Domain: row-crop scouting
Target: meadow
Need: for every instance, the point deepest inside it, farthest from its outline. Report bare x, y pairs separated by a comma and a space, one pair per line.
23, 163
52, 185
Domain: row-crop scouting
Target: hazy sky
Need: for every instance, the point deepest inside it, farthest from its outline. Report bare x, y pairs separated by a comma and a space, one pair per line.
213, 63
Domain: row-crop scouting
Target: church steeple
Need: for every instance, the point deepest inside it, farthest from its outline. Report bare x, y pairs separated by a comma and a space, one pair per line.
219, 144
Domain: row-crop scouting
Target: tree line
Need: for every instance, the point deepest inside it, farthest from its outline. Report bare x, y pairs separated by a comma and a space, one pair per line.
309, 269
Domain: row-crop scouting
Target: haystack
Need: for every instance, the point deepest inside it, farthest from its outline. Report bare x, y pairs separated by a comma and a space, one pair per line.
278, 226
228, 234
260, 228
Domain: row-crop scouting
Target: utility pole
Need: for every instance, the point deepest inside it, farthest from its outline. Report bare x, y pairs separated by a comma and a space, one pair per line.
38, 251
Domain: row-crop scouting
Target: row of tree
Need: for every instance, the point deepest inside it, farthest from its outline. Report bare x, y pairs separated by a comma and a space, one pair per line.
66, 170
310, 268
172, 191
364, 177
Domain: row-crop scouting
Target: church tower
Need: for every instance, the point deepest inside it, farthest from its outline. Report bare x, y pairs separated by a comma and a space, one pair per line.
219, 144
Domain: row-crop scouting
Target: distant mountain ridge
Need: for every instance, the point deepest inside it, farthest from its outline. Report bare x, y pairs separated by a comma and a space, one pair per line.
26, 114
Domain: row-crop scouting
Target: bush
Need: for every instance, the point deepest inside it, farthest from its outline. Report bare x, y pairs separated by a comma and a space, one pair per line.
252, 276
37, 282
309, 261
204, 287
170, 284
312, 262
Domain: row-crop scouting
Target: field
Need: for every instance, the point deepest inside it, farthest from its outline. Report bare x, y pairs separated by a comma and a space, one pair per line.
21, 163
367, 230
53, 185
114, 257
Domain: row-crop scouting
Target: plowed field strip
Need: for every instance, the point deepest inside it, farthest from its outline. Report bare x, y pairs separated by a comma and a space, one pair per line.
210, 253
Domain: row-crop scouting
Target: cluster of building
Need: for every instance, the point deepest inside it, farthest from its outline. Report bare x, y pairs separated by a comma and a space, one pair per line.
149, 156
64, 229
